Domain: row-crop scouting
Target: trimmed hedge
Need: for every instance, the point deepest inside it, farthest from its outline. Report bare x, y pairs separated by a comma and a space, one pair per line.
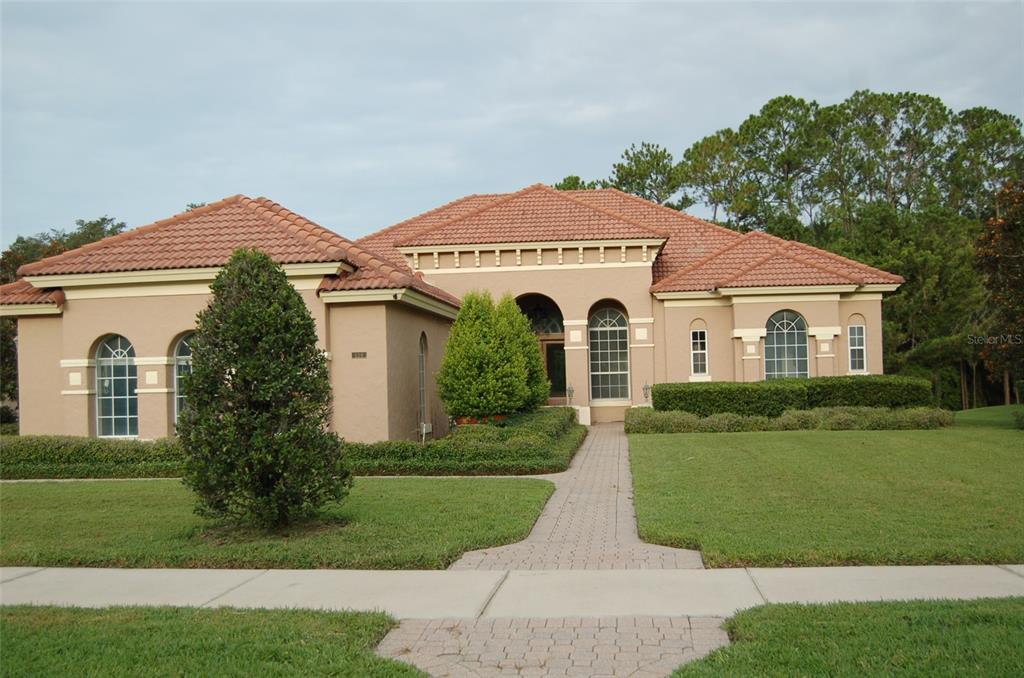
772, 398
80, 457
647, 420
539, 442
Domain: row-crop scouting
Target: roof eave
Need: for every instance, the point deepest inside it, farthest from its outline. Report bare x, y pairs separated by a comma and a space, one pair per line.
532, 244
164, 275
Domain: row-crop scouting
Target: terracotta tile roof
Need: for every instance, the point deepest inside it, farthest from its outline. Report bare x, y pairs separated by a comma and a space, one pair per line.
22, 292
206, 237
201, 238
537, 213
760, 260
689, 238
383, 241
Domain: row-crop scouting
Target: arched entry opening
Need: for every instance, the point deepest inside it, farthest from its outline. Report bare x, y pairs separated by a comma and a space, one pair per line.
546, 320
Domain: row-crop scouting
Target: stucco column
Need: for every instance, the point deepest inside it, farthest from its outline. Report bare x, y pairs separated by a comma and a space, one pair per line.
577, 367
750, 355
641, 358
78, 392
824, 346
155, 393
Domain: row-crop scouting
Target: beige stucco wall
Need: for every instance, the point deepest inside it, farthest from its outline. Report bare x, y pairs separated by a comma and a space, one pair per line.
59, 398
576, 291
740, 358
405, 325
39, 377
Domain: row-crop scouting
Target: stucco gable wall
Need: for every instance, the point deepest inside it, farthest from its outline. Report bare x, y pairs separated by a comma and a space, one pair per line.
41, 406
405, 325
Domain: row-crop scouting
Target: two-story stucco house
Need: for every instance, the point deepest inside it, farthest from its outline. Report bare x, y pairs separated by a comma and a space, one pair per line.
623, 294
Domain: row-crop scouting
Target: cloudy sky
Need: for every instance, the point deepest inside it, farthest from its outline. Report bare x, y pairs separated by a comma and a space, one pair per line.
358, 116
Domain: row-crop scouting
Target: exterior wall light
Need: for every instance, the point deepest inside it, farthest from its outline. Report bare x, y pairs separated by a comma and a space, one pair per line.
569, 390
647, 392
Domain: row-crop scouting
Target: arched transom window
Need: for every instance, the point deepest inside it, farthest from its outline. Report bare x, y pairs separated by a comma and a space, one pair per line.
609, 354
785, 346
117, 405
182, 367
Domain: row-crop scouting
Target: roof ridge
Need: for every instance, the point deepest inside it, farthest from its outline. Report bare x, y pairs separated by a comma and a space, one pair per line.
807, 262
507, 197
566, 195
296, 225
428, 212
743, 237
669, 210
778, 249
473, 212
26, 269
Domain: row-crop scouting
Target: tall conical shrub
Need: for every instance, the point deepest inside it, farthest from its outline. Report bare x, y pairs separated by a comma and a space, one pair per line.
258, 402
516, 332
480, 375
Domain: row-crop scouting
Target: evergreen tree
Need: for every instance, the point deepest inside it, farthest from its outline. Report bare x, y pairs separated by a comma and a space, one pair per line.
481, 375
515, 330
258, 402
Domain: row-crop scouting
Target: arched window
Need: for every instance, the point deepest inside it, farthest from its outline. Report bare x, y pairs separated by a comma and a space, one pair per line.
182, 366
785, 346
117, 405
422, 370
609, 354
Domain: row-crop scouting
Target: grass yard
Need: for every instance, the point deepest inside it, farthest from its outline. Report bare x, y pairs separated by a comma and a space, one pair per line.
763, 499
385, 523
51, 641
930, 638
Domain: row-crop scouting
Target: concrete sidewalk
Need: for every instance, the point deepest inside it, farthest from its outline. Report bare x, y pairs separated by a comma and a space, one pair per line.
503, 594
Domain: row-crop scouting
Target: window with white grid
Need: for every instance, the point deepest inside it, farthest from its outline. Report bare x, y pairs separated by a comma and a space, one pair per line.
609, 355
858, 354
182, 367
117, 405
698, 352
785, 346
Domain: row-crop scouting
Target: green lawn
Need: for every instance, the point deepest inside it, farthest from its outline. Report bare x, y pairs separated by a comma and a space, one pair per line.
50, 641
836, 497
988, 417
931, 638
385, 523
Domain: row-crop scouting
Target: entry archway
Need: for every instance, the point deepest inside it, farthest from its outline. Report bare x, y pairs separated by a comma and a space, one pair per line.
547, 322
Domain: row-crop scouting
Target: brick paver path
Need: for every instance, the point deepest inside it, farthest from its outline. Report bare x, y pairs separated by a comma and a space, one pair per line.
643, 647
589, 523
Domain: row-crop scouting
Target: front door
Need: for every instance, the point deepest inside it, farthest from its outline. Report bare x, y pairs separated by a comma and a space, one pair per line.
554, 360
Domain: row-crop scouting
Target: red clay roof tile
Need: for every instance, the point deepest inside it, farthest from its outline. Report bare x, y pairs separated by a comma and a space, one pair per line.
23, 292
206, 237
535, 214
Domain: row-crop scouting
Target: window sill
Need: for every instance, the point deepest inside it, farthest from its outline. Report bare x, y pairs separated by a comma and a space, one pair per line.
700, 377
610, 402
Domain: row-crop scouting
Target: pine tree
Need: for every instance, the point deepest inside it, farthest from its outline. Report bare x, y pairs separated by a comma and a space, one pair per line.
254, 428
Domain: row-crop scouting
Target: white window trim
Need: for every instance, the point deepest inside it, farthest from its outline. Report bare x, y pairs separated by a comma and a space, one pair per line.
850, 347
629, 366
175, 362
706, 374
102, 362
764, 349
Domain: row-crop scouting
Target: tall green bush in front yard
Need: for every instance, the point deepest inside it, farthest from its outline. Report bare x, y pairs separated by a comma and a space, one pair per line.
258, 402
486, 368
514, 330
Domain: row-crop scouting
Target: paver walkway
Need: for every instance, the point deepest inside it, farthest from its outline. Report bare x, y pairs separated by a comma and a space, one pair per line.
643, 647
589, 523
